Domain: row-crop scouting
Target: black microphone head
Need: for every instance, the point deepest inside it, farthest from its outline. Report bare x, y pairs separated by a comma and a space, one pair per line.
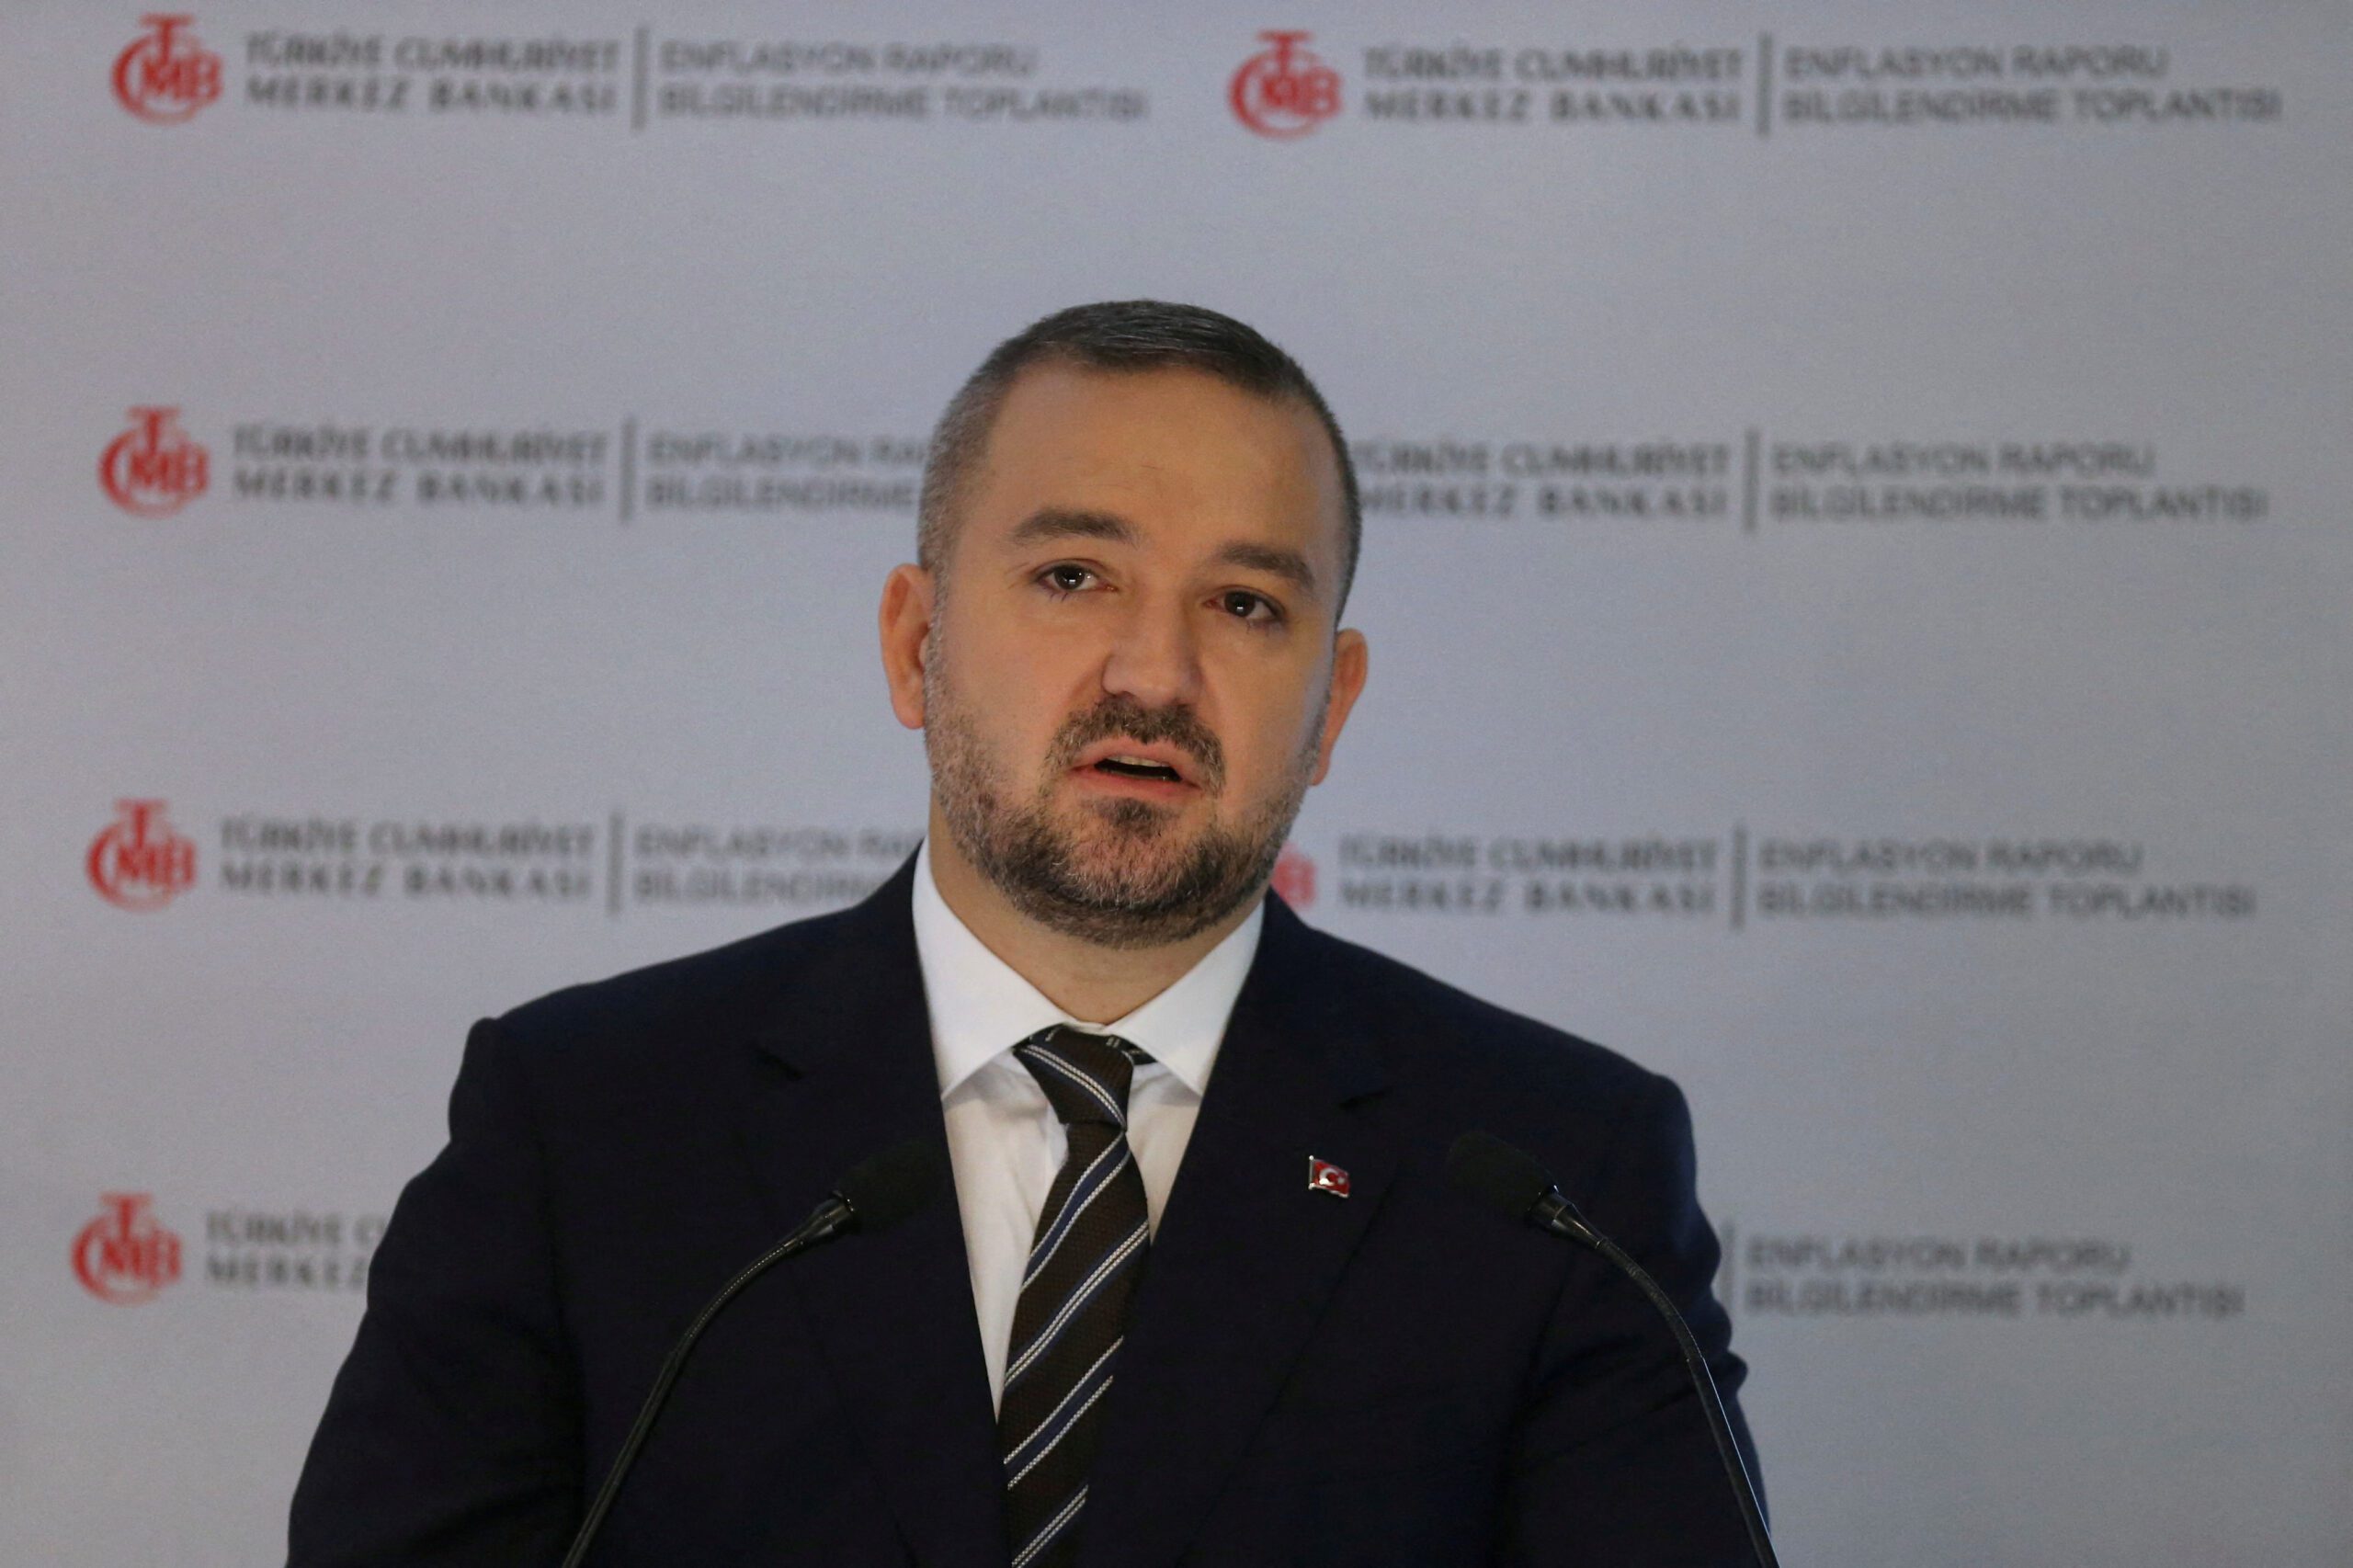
1482, 1166
894, 1185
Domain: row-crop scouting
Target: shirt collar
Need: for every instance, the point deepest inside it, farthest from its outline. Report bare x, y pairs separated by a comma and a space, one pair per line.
982, 1007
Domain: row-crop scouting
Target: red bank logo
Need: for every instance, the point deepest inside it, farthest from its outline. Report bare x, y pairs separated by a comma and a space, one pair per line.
1284, 91
165, 76
125, 1255
1294, 878
138, 862
154, 468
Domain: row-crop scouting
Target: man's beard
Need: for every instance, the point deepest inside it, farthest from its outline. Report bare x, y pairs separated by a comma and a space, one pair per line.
1116, 878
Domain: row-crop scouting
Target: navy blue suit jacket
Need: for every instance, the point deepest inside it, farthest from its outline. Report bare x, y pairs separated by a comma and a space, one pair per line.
1393, 1378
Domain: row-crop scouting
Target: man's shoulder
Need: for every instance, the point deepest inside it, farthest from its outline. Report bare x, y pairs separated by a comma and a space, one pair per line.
727, 991
1435, 1038
1455, 1063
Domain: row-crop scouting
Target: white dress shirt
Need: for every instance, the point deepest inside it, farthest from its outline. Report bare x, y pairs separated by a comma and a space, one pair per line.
1004, 1143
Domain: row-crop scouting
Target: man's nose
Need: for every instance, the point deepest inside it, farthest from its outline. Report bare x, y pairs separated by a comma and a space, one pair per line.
1154, 658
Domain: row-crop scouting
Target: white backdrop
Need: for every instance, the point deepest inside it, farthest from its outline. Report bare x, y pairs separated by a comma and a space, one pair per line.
1855, 564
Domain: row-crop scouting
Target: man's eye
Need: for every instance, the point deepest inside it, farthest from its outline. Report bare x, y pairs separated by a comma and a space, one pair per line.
1066, 578
1244, 606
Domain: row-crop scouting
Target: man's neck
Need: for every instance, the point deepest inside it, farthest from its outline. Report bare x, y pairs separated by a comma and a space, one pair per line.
1094, 984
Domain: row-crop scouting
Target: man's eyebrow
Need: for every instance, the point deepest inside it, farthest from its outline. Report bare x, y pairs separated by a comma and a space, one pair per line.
1062, 522
1285, 563
1057, 522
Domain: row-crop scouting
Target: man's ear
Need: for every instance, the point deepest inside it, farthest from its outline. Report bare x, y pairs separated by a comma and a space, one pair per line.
1349, 669
908, 598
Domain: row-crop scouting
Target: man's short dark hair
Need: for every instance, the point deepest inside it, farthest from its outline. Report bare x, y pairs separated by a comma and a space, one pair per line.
1117, 335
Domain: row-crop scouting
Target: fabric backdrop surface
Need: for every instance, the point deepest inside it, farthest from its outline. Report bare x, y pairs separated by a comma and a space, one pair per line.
1855, 565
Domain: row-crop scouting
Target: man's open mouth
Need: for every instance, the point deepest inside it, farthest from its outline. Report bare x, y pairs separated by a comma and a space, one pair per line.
1138, 768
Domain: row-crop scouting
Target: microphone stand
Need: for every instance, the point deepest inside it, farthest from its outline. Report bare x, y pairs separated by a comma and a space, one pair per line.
831, 1218
1555, 1214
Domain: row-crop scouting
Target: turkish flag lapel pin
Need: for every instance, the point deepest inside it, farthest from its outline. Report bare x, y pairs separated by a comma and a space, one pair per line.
1323, 1176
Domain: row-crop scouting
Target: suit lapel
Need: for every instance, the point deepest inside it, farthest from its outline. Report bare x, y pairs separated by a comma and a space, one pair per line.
848, 1072
1246, 1255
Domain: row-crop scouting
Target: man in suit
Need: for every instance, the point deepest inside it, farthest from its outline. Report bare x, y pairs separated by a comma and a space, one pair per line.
1204, 1295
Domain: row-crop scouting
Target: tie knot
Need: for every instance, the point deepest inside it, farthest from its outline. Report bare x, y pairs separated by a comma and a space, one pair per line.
1085, 1076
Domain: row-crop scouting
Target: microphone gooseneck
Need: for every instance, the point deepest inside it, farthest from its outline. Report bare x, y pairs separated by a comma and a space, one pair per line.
876, 1194
1511, 1181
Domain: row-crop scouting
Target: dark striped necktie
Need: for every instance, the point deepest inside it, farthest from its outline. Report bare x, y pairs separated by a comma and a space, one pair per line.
1082, 1271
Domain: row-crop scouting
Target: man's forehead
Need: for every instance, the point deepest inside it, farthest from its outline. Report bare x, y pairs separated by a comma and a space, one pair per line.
1158, 447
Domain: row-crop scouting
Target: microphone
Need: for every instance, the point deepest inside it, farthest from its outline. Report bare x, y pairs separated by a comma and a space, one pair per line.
1482, 1166
876, 1194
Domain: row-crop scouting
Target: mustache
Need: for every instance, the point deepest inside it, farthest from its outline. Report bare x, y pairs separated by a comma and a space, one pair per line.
1125, 718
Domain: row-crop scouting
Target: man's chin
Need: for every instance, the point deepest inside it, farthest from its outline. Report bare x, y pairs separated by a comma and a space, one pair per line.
1129, 901
1125, 866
